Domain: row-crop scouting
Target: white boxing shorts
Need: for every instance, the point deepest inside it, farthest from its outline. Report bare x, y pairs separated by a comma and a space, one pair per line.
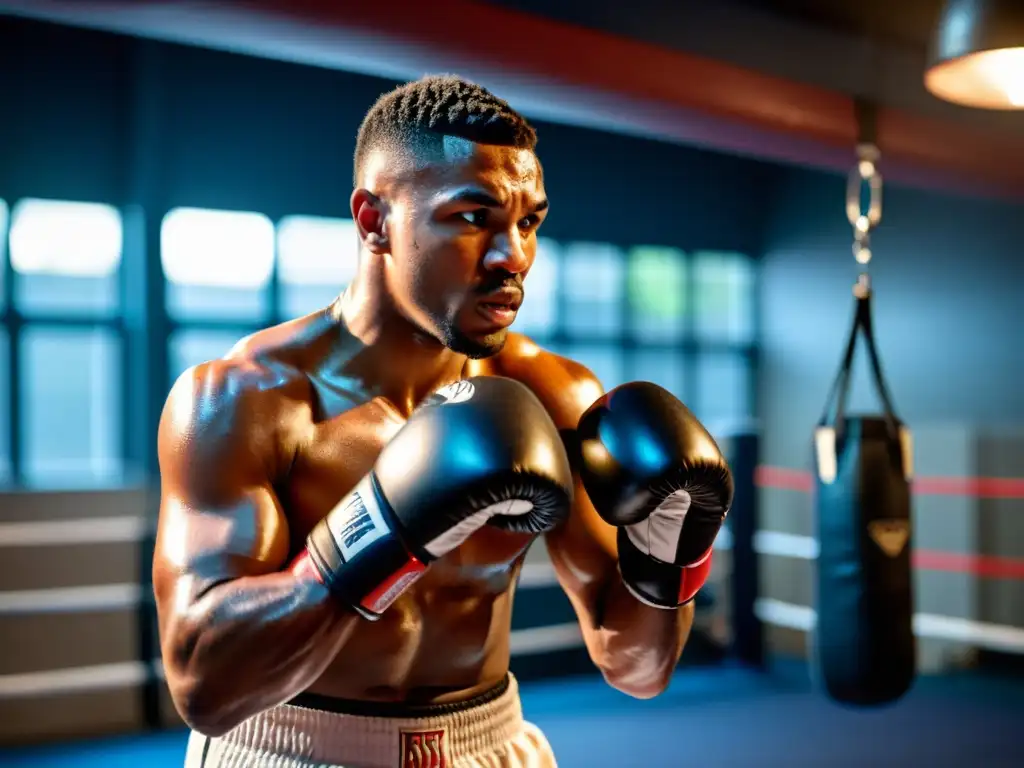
487, 731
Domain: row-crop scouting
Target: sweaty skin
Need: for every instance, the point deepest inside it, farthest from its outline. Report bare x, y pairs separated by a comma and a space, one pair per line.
258, 447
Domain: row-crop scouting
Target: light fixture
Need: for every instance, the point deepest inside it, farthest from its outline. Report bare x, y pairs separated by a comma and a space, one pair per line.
977, 54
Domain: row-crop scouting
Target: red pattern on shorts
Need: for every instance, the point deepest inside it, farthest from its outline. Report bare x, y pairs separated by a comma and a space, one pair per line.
425, 749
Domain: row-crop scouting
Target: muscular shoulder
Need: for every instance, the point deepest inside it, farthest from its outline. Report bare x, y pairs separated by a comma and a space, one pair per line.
236, 411
566, 387
256, 382
295, 343
237, 387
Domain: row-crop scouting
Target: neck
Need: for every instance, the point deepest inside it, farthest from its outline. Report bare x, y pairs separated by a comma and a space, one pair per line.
396, 359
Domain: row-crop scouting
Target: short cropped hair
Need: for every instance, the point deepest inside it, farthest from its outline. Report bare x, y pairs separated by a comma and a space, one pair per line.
416, 117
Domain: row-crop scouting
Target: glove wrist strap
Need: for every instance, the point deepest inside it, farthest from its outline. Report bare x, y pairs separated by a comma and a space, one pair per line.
658, 584
360, 555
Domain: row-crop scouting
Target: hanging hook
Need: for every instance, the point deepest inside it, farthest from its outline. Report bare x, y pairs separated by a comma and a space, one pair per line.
864, 174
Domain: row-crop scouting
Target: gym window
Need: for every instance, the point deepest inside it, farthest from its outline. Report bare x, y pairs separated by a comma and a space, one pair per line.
217, 264
5, 413
316, 260
683, 320
72, 406
190, 346
724, 384
538, 314
593, 285
668, 369
652, 313
65, 257
724, 295
3, 256
64, 328
657, 293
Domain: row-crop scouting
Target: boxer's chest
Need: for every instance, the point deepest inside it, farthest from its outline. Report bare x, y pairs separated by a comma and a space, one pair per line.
339, 451
332, 456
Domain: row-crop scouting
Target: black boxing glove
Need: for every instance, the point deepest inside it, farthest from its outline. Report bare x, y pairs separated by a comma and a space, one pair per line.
651, 469
481, 451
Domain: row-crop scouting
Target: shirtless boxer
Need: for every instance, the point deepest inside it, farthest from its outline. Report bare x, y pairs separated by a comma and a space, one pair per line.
347, 498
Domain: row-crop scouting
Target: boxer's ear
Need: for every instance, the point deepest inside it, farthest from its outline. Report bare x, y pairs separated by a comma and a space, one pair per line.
370, 215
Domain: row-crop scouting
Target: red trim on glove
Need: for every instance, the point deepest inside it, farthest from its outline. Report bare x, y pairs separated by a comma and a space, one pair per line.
693, 577
386, 593
303, 568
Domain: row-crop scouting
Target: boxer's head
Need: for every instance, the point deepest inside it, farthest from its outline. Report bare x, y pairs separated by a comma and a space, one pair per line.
448, 197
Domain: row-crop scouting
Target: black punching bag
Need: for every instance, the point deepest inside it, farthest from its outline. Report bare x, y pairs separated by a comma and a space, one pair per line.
864, 647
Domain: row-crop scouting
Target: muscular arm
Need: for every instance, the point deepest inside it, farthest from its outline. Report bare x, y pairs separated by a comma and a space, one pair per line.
238, 633
635, 646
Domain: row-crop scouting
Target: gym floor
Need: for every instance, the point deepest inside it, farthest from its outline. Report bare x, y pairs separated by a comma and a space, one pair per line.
721, 716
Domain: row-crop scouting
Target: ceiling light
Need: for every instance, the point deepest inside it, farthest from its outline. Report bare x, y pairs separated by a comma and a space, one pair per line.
977, 54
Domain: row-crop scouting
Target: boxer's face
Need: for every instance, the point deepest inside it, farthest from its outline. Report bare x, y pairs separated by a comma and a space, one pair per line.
462, 237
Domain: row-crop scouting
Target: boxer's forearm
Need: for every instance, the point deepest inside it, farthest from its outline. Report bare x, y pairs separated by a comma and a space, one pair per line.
249, 644
639, 645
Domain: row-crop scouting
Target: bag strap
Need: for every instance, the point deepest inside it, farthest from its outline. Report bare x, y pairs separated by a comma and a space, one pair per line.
835, 405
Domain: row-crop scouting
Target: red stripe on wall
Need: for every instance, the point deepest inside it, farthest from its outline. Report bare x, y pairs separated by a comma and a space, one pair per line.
980, 487
783, 479
987, 566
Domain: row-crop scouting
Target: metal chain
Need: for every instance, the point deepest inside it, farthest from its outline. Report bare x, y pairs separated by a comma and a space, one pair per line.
865, 173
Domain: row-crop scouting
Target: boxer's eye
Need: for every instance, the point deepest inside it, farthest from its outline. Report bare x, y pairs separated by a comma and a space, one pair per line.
528, 222
477, 218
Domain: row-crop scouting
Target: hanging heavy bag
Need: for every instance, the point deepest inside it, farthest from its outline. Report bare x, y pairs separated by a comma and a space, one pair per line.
864, 647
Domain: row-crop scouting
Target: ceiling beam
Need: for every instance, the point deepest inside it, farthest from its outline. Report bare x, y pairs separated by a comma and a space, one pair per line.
565, 73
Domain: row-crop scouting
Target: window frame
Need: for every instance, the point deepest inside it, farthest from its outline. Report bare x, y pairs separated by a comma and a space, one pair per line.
687, 344
15, 321
118, 333
145, 343
265, 293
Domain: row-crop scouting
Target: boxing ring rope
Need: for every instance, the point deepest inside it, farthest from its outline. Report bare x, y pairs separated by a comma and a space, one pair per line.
793, 488
977, 487
748, 608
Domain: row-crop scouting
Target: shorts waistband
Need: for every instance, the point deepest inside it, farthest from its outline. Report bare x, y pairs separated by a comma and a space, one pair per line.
303, 732
387, 709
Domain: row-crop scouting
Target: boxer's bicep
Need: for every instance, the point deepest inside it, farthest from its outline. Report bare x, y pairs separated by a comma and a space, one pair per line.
220, 518
583, 550
584, 555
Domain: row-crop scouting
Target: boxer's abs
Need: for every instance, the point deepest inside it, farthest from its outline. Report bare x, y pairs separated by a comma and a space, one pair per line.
435, 644
447, 637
